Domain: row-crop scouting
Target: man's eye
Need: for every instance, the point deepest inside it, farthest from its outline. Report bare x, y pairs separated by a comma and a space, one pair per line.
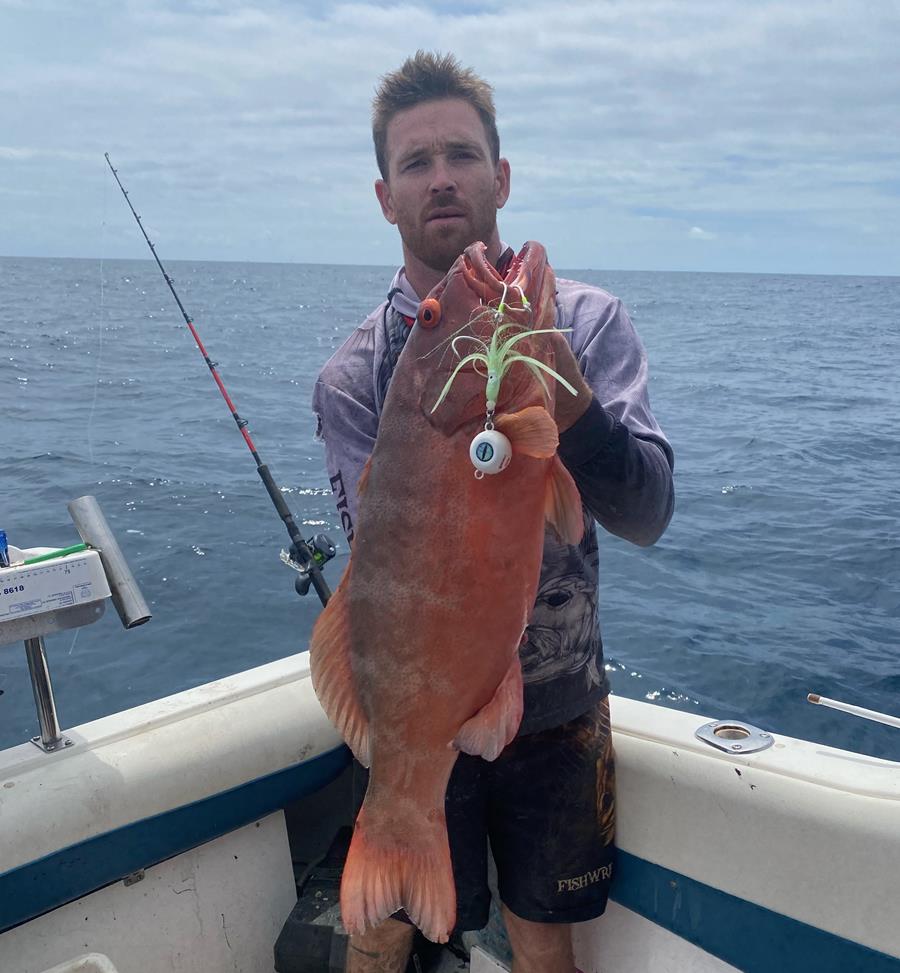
416, 163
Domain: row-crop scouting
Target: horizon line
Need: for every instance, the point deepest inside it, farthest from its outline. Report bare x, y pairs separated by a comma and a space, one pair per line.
391, 268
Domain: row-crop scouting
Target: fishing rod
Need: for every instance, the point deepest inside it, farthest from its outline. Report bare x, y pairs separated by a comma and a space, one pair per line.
307, 556
866, 714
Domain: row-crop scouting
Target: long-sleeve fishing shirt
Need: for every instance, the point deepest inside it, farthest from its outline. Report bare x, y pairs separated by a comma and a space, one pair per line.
616, 453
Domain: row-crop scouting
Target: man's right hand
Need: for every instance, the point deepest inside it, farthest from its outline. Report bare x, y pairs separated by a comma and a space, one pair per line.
569, 408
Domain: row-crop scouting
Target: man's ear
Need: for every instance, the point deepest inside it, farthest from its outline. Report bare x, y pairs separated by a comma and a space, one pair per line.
383, 192
501, 183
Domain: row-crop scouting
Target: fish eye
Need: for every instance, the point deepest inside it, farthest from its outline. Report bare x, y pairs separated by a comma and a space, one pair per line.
429, 313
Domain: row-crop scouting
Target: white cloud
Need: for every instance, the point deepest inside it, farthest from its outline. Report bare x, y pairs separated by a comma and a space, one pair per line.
22, 153
697, 233
769, 121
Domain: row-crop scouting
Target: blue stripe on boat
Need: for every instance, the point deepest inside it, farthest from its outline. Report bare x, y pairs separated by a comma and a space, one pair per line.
752, 938
748, 936
68, 874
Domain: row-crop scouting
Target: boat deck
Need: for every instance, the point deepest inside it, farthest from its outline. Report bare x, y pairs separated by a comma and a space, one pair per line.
319, 830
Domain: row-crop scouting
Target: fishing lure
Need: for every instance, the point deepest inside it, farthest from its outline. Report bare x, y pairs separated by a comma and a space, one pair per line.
491, 451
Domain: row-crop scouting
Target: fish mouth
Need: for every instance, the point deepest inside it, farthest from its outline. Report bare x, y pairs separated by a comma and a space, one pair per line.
525, 273
524, 276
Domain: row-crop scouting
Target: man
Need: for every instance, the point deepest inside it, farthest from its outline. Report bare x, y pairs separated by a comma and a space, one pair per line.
547, 802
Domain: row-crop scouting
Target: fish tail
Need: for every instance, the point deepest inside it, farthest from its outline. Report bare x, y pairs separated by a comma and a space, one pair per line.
403, 864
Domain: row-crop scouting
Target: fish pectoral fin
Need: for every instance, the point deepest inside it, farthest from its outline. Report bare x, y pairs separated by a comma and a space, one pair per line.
562, 504
332, 678
532, 432
494, 725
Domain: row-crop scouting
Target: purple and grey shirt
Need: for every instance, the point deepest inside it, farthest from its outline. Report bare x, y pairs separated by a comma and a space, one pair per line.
616, 452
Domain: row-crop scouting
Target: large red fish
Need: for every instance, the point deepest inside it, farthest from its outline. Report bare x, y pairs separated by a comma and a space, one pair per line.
416, 655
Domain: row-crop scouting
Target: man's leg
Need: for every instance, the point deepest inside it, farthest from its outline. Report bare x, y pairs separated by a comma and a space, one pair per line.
552, 820
539, 947
384, 949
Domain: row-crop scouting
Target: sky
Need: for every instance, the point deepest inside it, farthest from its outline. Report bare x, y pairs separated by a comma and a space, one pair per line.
700, 135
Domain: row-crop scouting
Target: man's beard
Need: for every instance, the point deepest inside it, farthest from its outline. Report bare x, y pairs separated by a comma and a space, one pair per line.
438, 250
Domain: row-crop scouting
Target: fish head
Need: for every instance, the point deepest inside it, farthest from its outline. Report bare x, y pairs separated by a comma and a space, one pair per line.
475, 332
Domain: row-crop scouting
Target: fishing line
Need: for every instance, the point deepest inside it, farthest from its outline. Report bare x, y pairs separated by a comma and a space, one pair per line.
90, 423
308, 556
99, 342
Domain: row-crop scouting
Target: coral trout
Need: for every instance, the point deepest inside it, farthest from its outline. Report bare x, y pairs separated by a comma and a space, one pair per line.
416, 656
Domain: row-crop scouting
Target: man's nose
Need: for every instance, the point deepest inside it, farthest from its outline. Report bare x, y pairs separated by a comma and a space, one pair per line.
442, 179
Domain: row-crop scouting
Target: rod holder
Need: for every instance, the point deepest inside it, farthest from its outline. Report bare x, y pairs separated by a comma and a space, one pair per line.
94, 530
51, 739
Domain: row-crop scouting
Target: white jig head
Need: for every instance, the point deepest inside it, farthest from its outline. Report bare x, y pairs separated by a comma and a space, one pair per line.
490, 452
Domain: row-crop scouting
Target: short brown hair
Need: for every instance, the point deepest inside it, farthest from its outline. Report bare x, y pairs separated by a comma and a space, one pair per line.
429, 77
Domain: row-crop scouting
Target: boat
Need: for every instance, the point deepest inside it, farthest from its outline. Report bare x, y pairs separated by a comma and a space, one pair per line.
176, 835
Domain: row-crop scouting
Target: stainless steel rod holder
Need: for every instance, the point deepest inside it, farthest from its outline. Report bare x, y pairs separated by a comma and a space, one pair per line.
50, 739
94, 530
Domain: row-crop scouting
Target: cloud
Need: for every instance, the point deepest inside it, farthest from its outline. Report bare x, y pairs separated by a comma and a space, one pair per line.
769, 121
697, 233
23, 153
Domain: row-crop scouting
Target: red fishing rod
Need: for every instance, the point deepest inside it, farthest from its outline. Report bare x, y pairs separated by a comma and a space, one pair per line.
308, 556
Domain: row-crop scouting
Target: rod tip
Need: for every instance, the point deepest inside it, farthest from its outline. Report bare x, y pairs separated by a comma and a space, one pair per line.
813, 697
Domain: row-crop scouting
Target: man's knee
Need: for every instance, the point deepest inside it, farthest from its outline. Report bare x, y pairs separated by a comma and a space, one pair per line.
384, 949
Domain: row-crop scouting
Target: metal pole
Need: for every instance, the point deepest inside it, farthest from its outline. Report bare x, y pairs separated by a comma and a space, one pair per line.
126, 595
50, 739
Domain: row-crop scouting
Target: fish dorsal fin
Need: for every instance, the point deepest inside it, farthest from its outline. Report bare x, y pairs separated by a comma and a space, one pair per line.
364, 478
532, 432
494, 725
562, 504
332, 678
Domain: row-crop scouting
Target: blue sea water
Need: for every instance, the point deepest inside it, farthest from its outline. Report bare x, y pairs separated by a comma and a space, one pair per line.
779, 575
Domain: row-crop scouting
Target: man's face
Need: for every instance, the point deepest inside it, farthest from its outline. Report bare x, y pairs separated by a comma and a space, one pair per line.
443, 189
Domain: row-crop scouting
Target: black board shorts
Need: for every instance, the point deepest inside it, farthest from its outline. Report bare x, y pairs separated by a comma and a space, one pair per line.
547, 807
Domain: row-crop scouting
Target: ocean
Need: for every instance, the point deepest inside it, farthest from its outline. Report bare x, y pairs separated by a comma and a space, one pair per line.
778, 576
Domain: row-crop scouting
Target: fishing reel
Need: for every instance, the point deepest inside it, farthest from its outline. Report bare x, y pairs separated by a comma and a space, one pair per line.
320, 549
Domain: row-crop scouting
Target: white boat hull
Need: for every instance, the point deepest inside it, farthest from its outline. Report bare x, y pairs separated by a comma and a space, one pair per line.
785, 860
